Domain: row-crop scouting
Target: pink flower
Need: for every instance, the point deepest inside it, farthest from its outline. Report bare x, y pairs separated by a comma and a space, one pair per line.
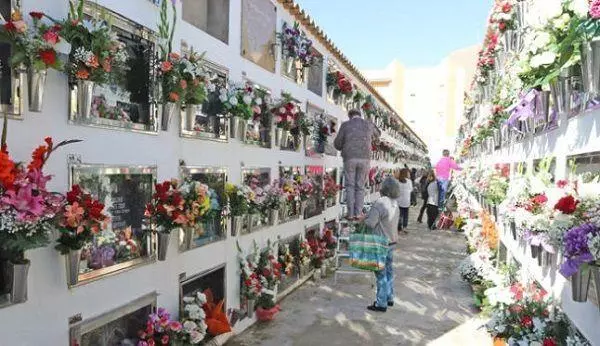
25, 202
74, 214
51, 37
595, 9
256, 110
175, 326
20, 25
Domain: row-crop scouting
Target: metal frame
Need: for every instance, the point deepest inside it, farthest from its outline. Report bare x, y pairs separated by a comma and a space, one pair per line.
18, 76
186, 171
261, 144
94, 10
184, 279
77, 329
101, 169
224, 119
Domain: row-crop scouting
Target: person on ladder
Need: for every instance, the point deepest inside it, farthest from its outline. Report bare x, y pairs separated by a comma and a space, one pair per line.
443, 169
354, 141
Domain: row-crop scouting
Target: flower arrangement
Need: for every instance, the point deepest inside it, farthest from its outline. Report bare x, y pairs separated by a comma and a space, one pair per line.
286, 113
275, 197
96, 53
579, 242
290, 189
305, 253
170, 72
286, 259
322, 129
305, 185
238, 204
242, 101
196, 202
27, 208
160, 329
339, 83
79, 219
330, 241
269, 270
194, 320
34, 45
295, 45
331, 188
166, 211
503, 16
251, 286
254, 193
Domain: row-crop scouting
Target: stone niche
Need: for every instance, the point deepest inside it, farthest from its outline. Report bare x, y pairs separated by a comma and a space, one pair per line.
210, 16
212, 279
12, 78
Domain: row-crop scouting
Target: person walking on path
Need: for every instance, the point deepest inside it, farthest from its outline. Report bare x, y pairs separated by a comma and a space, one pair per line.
354, 140
404, 199
433, 190
423, 183
382, 219
443, 169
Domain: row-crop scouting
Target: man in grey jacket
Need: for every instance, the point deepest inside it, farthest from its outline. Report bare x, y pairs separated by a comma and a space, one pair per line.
354, 140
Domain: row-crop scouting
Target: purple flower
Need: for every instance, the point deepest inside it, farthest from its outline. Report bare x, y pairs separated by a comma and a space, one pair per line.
576, 248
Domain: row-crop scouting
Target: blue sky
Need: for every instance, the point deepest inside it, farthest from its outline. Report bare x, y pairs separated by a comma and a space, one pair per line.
416, 32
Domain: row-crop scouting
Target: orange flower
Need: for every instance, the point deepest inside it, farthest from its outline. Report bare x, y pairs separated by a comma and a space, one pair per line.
37, 158
489, 232
93, 62
7, 170
173, 97
82, 74
74, 215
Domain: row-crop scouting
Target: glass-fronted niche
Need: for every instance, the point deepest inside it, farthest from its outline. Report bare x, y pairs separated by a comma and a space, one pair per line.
323, 133
331, 183
292, 208
211, 282
210, 16
258, 129
208, 121
257, 179
214, 226
116, 327
12, 78
259, 19
315, 204
124, 191
314, 80
586, 166
288, 252
128, 101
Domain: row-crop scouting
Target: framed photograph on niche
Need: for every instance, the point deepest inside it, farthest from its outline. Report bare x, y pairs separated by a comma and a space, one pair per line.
210, 122
12, 78
215, 225
127, 103
315, 204
116, 327
124, 191
256, 179
288, 181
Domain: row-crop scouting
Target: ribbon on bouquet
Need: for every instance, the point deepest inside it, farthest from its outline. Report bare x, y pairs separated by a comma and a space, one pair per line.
523, 109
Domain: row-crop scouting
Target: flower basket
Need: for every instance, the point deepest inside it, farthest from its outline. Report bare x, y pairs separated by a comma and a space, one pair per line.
265, 315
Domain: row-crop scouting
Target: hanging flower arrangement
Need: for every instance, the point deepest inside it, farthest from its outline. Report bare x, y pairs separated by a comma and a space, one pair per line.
286, 113
296, 45
339, 83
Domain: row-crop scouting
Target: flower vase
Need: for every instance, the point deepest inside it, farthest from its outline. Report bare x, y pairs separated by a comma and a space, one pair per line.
320, 147
497, 138
36, 87
273, 217
317, 275
163, 245
521, 9
542, 110
85, 92
535, 251
561, 89
285, 138
73, 261
580, 284
595, 269
190, 116
233, 126
278, 137
283, 212
342, 100
188, 237
237, 223
302, 208
17, 272
330, 92
253, 222
323, 271
509, 41
548, 259
289, 65
513, 230
590, 68
243, 129
250, 307
265, 315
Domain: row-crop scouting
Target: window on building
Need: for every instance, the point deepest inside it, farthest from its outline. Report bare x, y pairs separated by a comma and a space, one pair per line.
211, 16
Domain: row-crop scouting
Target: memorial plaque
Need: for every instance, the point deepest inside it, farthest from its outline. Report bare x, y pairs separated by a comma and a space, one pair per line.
315, 204
259, 18
210, 121
213, 228
128, 102
125, 191
116, 327
315, 75
11, 80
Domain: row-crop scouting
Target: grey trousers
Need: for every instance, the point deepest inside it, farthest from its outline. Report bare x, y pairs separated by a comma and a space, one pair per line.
356, 172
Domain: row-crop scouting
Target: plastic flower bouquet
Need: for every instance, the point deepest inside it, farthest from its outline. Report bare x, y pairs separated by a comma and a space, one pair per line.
331, 188
286, 259
503, 15
170, 72
295, 45
275, 197
581, 247
251, 284
306, 186
27, 208
160, 329
194, 78
269, 271
286, 113
79, 219
34, 44
238, 204
305, 253
241, 101
166, 211
194, 319
196, 201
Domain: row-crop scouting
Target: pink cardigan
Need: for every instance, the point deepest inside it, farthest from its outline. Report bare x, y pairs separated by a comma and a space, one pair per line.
444, 166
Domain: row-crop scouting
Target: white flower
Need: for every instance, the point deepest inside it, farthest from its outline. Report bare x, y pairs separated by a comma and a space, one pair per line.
547, 10
282, 110
223, 92
188, 299
189, 326
233, 101
561, 22
580, 7
196, 337
258, 101
247, 99
223, 98
201, 298
541, 40
211, 87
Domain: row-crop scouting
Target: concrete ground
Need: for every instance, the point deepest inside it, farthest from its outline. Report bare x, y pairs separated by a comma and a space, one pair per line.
432, 305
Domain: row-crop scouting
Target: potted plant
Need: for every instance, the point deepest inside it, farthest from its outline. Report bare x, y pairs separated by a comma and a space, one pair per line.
96, 56
78, 220
165, 212
34, 48
28, 209
238, 207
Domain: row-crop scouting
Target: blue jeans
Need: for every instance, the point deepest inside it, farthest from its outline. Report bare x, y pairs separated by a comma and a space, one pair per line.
444, 184
403, 220
385, 281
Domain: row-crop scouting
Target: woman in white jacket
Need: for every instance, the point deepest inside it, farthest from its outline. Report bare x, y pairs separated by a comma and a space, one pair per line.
406, 188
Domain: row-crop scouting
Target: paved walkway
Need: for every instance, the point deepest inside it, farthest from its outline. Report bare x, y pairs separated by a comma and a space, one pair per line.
432, 305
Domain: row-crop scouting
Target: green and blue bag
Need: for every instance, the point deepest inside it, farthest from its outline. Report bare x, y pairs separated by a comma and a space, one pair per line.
368, 251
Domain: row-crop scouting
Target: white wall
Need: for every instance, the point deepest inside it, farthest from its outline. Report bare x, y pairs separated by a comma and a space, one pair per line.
43, 319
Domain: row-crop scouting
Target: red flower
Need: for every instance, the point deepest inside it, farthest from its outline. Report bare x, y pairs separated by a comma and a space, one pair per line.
165, 339
567, 204
73, 195
549, 342
540, 199
502, 26
562, 183
10, 26
527, 321
36, 15
507, 7
48, 56
51, 37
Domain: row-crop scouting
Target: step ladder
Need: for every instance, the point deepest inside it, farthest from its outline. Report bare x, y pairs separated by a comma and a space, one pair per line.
342, 257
